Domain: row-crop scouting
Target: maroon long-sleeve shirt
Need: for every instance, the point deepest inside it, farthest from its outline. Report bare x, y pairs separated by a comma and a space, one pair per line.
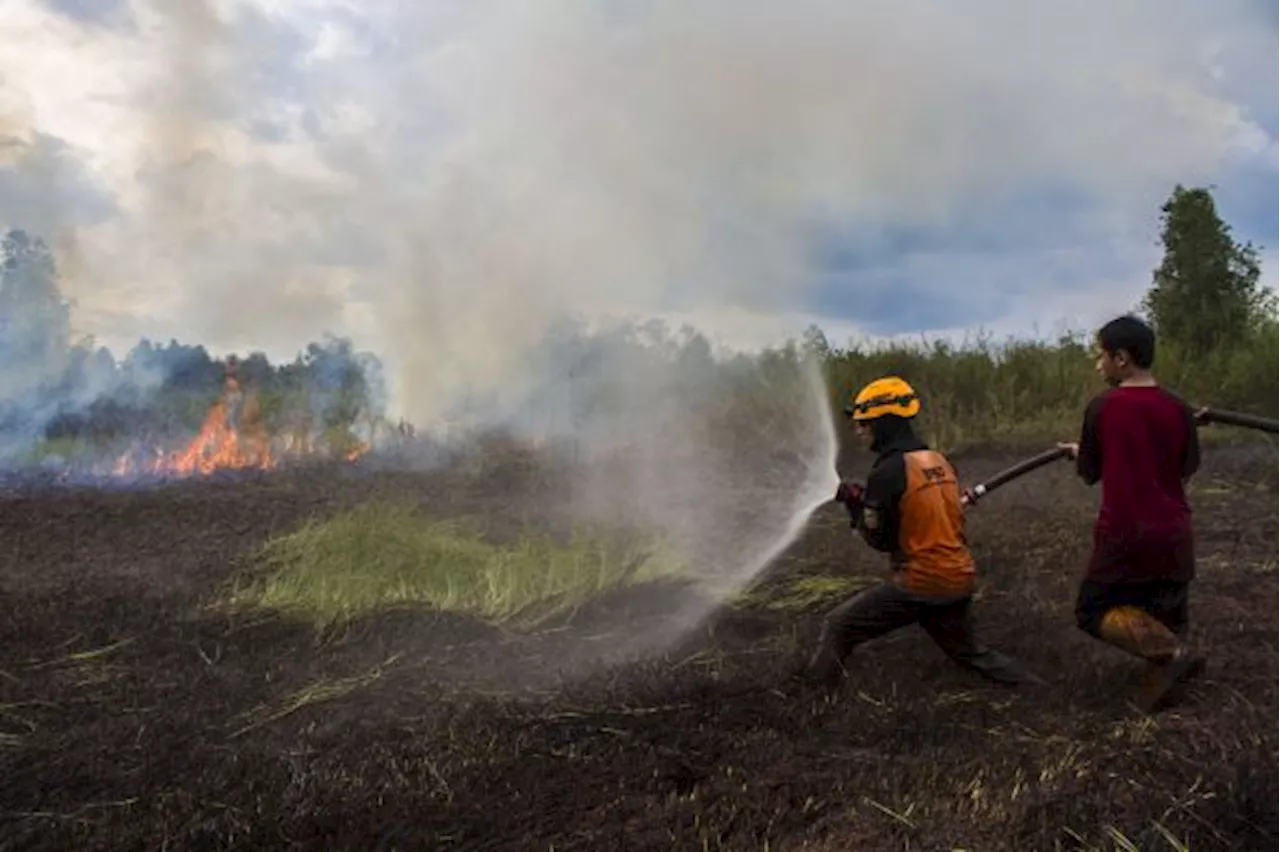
1141, 444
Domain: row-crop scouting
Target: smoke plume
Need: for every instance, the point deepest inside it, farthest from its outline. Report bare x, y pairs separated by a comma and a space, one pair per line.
442, 181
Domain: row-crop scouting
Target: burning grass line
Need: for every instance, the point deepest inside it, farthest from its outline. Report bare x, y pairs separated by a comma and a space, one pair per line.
315, 693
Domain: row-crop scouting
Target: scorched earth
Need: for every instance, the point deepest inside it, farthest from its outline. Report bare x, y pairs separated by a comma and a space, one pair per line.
134, 714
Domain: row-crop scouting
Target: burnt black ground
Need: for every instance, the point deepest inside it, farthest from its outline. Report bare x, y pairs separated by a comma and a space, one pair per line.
133, 718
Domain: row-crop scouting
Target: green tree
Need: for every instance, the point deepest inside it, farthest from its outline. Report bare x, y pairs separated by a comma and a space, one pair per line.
35, 321
1205, 294
814, 343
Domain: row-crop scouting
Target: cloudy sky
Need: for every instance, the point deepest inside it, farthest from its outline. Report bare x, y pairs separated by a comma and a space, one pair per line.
439, 179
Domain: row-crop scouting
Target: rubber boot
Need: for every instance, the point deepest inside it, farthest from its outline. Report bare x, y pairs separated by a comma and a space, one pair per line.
1134, 630
1161, 678
825, 668
1001, 668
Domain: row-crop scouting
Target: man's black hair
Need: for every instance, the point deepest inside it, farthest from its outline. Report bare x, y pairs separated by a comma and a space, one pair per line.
1132, 336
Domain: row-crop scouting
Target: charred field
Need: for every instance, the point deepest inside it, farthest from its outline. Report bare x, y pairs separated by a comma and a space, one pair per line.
135, 715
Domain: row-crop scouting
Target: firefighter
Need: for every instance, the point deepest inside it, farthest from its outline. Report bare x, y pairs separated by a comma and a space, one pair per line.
1139, 441
911, 509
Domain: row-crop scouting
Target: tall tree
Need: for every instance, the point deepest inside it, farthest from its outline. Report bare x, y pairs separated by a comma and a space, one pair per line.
35, 321
1206, 292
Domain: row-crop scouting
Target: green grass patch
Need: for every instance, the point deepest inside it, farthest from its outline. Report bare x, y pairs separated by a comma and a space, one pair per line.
382, 555
806, 592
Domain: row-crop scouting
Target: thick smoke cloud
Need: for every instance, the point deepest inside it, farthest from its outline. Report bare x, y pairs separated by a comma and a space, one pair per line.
447, 179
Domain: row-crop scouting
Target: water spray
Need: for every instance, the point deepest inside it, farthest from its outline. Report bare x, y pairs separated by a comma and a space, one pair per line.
821, 477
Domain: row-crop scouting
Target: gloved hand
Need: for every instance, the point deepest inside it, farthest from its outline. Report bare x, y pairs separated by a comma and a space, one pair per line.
851, 495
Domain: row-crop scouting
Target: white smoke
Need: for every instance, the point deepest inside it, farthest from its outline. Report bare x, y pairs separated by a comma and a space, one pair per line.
443, 180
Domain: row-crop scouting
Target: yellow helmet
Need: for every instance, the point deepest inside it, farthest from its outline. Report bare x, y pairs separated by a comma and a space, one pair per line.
889, 395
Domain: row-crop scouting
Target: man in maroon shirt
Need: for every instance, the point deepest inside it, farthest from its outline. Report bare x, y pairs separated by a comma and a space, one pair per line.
1139, 440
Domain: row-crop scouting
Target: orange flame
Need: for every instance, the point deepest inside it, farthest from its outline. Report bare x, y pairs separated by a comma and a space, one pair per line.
220, 445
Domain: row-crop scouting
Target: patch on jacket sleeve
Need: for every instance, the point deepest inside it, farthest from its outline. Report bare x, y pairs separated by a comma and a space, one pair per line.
870, 518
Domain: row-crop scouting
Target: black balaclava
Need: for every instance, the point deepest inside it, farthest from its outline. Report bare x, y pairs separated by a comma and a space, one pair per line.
889, 430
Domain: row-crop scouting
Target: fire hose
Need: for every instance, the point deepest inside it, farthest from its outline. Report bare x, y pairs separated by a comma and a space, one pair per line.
1232, 418
1022, 468
850, 494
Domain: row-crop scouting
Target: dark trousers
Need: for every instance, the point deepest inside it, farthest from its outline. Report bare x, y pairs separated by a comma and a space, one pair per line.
887, 607
1164, 600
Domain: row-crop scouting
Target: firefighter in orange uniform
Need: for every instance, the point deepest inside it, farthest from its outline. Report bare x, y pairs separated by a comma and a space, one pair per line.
911, 509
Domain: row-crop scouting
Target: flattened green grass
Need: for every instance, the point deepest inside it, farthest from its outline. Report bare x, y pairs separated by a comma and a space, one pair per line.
382, 555
808, 592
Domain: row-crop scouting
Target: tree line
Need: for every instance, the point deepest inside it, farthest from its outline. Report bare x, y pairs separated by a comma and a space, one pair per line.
1217, 326
56, 389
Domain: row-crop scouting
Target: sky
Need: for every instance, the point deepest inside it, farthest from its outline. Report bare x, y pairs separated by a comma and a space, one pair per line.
440, 180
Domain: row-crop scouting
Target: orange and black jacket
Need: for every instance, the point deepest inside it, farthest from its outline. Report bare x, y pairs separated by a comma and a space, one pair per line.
912, 511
